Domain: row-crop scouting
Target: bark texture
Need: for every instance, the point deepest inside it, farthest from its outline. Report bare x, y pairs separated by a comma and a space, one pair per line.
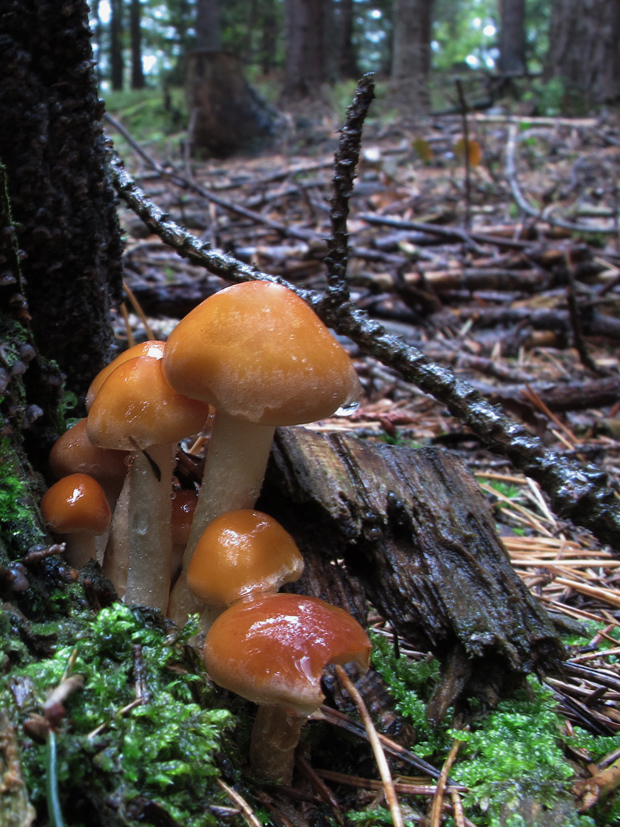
52, 145
411, 530
512, 37
226, 113
305, 60
411, 45
583, 48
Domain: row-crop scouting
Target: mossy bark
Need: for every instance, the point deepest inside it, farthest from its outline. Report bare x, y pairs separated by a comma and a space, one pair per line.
52, 145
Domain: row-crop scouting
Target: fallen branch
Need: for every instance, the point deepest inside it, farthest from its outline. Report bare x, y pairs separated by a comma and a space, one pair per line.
577, 492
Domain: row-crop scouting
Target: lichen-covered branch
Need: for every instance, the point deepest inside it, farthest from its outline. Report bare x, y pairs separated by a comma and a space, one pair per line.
577, 492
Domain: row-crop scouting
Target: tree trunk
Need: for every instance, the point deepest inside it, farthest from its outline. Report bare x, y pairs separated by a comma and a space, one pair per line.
208, 37
226, 113
584, 49
411, 53
137, 71
269, 35
348, 67
512, 37
52, 145
117, 63
305, 64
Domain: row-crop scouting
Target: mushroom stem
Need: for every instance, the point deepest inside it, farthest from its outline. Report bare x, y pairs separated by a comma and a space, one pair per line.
234, 469
80, 548
116, 556
275, 736
150, 537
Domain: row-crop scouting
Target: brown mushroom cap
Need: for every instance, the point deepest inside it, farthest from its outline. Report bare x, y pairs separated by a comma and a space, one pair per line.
241, 553
152, 348
74, 453
273, 650
135, 406
257, 351
75, 504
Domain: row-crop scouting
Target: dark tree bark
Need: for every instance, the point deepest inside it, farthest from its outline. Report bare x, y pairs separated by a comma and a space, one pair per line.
305, 61
411, 53
52, 145
347, 67
117, 63
208, 37
512, 37
584, 48
411, 530
137, 70
269, 35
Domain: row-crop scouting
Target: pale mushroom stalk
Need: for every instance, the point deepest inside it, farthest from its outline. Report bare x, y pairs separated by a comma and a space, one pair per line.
275, 735
233, 475
148, 577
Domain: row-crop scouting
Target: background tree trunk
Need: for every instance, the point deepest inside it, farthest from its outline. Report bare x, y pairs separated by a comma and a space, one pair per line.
305, 61
52, 146
117, 63
208, 37
512, 37
584, 48
348, 67
411, 55
137, 71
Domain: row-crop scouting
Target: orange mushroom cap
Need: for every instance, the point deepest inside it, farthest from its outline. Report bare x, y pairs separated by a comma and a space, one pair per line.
76, 503
136, 406
240, 553
153, 349
273, 650
259, 352
74, 453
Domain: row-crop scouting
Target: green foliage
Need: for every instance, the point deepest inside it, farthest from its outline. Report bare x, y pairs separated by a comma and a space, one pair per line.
163, 749
150, 116
512, 753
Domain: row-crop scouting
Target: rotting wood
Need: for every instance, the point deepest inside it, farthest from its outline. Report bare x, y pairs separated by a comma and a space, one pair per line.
411, 528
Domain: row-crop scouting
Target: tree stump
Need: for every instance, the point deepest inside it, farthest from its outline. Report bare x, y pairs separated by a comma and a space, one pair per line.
409, 530
225, 111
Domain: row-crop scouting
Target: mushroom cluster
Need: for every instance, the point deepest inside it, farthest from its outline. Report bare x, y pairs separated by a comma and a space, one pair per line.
249, 358
268, 647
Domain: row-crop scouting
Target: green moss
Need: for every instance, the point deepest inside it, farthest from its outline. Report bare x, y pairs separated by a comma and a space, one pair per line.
511, 755
163, 750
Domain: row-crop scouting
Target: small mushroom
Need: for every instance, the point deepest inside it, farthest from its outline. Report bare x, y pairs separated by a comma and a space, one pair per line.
261, 356
153, 349
272, 651
240, 554
74, 453
136, 410
76, 509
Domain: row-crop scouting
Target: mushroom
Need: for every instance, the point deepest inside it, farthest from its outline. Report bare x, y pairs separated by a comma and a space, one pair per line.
76, 509
242, 553
74, 453
136, 410
261, 356
272, 650
152, 348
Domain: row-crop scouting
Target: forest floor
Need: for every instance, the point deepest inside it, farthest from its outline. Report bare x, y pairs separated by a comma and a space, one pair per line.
507, 270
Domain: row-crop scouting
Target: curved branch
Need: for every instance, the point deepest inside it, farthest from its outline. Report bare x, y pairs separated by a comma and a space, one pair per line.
577, 492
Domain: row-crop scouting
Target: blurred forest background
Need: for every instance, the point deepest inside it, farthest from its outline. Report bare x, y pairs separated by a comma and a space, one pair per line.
544, 56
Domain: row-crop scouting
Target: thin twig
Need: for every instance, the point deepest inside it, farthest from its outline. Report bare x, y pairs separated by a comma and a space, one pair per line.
382, 764
437, 803
345, 166
463, 107
246, 811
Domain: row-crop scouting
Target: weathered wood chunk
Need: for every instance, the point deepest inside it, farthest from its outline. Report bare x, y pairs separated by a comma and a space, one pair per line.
410, 530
